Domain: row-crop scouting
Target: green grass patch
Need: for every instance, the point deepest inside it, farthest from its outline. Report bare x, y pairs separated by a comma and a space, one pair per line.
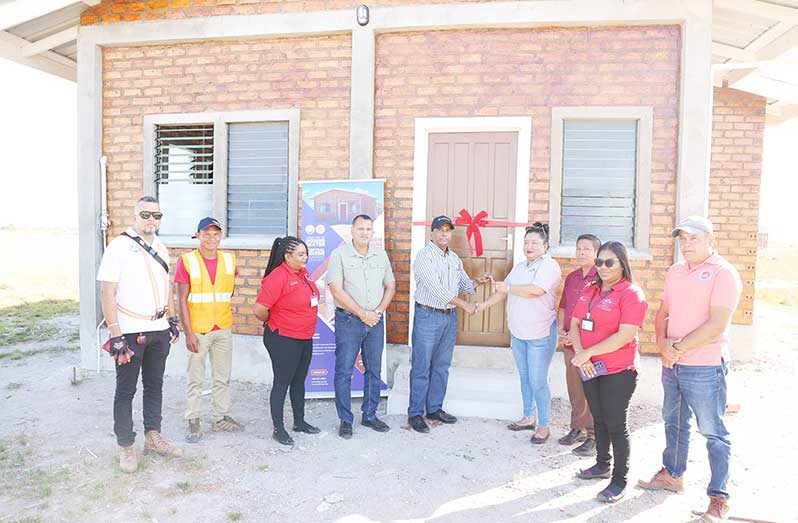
184, 486
14, 386
234, 516
28, 322
17, 475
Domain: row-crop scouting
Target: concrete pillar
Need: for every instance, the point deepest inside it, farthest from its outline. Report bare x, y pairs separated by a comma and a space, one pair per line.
361, 111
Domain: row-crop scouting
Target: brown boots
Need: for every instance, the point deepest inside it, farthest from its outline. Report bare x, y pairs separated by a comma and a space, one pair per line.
153, 442
128, 459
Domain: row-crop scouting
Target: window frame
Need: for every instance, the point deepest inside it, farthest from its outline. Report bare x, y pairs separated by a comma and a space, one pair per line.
220, 121
644, 115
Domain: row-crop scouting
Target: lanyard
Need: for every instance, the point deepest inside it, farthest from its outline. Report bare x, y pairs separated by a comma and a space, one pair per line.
590, 303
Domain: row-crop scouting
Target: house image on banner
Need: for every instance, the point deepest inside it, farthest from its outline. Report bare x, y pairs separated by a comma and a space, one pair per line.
610, 117
339, 206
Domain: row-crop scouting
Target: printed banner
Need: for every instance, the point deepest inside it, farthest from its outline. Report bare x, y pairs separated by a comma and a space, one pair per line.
328, 208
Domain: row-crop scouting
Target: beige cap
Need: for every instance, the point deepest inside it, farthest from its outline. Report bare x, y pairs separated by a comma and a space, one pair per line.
694, 225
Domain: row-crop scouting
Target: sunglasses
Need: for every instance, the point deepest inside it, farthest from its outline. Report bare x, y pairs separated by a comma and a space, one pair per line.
609, 262
145, 215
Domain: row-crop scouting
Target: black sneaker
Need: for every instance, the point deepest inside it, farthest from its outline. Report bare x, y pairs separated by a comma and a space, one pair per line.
575, 436
418, 424
376, 424
345, 430
307, 428
442, 416
586, 449
281, 436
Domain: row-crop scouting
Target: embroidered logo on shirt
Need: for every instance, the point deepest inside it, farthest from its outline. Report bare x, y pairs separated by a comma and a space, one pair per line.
704, 276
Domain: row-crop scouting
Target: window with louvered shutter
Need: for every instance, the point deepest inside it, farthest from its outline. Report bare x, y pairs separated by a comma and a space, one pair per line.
257, 179
599, 179
183, 174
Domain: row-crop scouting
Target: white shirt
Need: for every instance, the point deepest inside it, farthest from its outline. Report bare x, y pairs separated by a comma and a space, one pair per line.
530, 318
142, 284
440, 276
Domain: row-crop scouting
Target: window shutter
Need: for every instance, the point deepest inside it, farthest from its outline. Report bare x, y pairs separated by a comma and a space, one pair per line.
257, 179
599, 180
184, 176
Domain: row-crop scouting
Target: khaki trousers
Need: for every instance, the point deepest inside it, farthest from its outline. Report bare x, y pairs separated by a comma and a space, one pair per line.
219, 345
581, 418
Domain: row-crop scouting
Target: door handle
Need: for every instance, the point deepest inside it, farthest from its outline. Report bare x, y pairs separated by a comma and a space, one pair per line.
509, 240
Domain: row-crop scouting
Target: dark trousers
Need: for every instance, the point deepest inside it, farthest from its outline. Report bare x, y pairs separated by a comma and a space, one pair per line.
290, 363
149, 359
608, 397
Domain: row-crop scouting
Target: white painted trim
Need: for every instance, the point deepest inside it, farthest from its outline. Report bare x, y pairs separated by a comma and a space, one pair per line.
12, 46
89, 98
220, 120
398, 18
645, 132
361, 104
50, 42
426, 126
695, 112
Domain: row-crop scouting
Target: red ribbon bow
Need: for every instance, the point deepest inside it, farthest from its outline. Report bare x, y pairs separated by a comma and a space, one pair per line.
472, 228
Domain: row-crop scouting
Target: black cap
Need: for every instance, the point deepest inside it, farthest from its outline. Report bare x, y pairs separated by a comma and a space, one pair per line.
440, 221
207, 222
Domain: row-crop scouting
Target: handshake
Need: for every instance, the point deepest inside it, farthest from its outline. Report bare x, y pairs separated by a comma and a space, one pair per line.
496, 287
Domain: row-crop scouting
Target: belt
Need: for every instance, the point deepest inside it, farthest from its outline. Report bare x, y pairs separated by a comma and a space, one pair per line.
433, 309
341, 309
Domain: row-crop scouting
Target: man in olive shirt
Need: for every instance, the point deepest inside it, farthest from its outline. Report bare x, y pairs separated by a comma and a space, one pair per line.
362, 283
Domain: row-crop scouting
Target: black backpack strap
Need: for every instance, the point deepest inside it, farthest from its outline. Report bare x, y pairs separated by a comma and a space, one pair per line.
150, 250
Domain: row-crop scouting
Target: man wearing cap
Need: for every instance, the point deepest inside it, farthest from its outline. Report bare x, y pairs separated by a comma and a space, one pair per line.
205, 280
362, 282
440, 279
700, 296
136, 302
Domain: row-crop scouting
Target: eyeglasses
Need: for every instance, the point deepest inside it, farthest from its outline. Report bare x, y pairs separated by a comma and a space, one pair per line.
609, 262
145, 215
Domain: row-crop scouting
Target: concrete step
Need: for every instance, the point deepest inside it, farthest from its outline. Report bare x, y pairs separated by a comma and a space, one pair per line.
484, 383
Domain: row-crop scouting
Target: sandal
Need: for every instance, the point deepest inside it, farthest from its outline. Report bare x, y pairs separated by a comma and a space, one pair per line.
515, 426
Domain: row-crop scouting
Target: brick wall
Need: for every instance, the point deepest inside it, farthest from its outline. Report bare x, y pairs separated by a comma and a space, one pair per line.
524, 72
113, 11
738, 124
312, 74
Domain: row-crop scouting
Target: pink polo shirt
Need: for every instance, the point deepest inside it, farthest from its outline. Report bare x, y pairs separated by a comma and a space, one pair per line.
690, 293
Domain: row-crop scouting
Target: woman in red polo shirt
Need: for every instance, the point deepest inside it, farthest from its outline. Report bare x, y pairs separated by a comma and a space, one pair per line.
287, 304
604, 327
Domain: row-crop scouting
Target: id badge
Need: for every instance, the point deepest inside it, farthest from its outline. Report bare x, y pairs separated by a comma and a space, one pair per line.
587, 325
314, 300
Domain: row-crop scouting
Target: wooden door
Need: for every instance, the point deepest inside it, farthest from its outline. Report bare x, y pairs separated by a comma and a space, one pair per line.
475, 172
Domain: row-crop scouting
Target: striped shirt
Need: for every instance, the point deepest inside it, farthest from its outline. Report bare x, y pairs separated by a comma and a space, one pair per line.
440, 277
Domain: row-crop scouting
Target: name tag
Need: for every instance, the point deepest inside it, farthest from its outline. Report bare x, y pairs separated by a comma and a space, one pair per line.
587, 325
314, 300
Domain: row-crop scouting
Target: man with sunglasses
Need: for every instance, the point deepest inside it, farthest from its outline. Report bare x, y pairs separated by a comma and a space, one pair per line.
136, 302
692, 328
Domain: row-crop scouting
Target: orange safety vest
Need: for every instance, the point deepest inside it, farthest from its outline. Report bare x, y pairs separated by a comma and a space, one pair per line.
209, 303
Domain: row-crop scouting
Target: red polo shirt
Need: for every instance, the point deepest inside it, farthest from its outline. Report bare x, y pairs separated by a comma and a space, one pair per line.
625, 304
575, 283
287, 294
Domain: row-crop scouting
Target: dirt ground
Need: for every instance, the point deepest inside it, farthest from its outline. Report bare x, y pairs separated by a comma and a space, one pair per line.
58, 456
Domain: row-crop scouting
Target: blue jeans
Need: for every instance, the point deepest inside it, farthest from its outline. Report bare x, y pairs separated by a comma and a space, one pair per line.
353, 337
533, 358
699, 390
433, 338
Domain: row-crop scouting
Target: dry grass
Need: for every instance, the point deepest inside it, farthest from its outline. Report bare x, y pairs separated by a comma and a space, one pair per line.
38, 265
777, 275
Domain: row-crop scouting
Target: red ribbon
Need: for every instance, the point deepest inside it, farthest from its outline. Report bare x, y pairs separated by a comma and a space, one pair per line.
473, 224
472, 227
